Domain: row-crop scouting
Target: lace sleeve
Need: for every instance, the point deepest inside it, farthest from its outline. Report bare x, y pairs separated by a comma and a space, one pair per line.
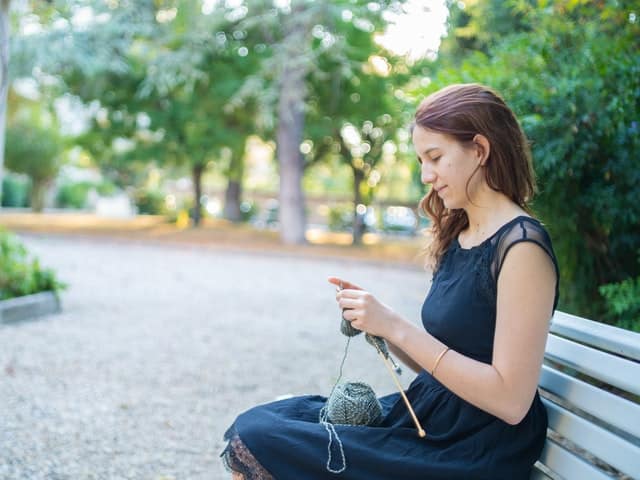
525, 230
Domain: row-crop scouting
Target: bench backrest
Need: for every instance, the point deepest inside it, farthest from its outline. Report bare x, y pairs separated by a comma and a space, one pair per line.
590, 384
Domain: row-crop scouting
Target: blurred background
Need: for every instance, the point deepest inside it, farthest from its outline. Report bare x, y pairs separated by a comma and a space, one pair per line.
284, 123
178, 179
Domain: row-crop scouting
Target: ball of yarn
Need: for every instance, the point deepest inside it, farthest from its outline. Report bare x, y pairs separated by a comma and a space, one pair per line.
353, 403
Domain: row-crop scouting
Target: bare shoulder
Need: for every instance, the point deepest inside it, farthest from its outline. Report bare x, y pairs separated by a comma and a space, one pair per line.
528, 277
528, 259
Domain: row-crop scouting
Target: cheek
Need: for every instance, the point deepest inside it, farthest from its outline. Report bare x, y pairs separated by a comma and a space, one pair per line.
456, 171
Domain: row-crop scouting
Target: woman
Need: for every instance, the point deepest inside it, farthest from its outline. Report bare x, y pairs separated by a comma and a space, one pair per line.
485, 320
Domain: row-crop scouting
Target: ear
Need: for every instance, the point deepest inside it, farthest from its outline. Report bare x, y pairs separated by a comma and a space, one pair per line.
483, 148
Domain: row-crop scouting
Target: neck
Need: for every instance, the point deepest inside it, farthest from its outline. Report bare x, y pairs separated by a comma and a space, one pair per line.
489, 211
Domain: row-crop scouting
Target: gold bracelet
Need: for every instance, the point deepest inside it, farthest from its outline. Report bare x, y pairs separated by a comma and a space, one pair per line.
435, 365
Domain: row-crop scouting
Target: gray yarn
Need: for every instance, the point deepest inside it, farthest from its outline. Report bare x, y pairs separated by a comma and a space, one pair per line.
353, 403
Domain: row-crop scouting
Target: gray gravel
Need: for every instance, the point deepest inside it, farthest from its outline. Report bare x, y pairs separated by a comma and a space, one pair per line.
158, 348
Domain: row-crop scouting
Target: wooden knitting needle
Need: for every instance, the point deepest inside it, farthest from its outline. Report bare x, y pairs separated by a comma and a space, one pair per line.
421, 431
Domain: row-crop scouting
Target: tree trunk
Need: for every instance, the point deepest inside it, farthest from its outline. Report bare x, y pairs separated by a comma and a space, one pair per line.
233, 194
292, 92
358, 220
196, 174
232, 199
38, 191
4, 78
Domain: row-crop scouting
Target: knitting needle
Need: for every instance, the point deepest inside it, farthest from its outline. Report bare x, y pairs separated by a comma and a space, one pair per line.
421, 432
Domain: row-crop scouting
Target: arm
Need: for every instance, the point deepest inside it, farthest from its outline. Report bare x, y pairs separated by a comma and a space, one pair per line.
404, 358
504, 388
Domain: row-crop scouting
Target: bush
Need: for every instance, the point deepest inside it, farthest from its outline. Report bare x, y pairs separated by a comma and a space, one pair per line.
73, 195
106, 188
248, 210
623, 302
340, 218
15, 192
21, 275
150, 202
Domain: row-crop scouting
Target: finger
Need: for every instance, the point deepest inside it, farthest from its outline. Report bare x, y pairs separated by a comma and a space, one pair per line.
343, 283
350, 314
350, 293
349, 303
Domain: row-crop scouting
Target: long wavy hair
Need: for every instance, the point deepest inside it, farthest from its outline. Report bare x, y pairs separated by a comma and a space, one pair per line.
462, 112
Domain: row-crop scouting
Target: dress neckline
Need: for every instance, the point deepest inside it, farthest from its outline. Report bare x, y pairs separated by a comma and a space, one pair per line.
494, 234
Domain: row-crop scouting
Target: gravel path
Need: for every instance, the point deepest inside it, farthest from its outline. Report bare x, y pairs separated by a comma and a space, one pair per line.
158, 348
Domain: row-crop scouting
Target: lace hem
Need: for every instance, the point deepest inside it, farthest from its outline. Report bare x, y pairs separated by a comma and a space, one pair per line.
238, 459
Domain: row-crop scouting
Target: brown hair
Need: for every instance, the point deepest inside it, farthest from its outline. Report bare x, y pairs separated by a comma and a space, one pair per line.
464, 111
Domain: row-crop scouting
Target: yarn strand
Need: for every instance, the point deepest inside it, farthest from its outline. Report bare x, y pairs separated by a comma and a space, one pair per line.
328, 426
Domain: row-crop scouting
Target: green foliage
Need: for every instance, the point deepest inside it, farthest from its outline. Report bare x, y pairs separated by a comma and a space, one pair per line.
150, 201
73, 195
15, 191
248, 210
171, 104
479, 25
106, 188
623, 302
34, 151
353, 106
340, 218
21, 274
574, 81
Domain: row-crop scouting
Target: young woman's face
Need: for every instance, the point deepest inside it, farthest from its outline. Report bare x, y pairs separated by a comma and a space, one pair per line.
447, 166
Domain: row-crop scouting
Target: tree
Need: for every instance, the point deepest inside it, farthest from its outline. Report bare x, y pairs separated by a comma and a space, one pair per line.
478, 25
34, 151
161, 85
189, 103
298, 36
73, 51
353, 104
4, 76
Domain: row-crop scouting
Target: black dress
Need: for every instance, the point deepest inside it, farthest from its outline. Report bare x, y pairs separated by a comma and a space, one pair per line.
284, 439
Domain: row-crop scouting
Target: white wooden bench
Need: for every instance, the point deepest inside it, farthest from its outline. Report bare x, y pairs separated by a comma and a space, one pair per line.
590, 384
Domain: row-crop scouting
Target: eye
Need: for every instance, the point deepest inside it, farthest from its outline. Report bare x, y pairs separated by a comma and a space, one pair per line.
434, 160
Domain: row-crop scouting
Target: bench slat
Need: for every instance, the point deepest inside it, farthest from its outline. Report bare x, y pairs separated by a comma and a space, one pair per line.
614, 450
538, 474
619, 412
568, 465
615, 371
596, 334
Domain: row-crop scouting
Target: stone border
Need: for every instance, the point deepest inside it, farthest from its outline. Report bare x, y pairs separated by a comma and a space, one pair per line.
29, 307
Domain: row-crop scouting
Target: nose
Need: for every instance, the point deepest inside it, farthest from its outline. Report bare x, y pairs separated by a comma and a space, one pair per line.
427, 175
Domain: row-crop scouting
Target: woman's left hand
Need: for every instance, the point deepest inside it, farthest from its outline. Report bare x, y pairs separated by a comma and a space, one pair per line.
366, 312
